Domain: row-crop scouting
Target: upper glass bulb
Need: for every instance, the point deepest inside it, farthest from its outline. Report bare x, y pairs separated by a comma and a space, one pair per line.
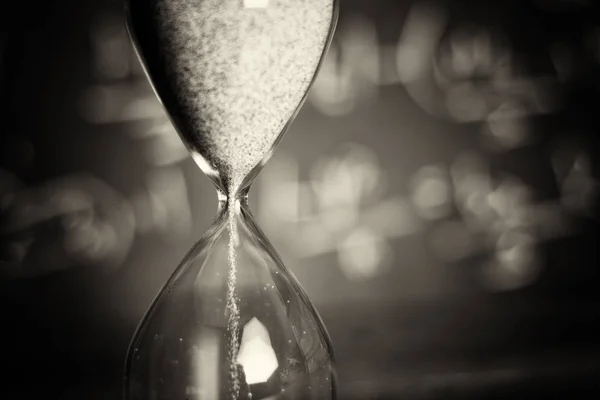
231, 73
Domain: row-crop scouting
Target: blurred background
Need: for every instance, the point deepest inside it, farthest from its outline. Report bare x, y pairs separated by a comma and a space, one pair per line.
437, 197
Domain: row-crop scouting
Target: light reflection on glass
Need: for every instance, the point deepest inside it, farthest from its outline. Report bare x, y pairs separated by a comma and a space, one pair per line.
256, 355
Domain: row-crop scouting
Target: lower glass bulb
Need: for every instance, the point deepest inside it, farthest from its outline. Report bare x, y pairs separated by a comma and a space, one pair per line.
231, 330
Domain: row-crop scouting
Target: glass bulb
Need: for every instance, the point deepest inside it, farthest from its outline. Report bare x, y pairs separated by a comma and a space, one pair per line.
185, 346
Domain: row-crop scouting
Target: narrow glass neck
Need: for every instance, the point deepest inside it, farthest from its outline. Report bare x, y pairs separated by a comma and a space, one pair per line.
240, 198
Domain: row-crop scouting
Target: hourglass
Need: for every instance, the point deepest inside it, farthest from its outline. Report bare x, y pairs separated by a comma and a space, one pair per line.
232, 322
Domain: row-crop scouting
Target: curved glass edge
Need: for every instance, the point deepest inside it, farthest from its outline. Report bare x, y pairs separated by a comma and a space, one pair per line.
207, 168
246, 214
204, 244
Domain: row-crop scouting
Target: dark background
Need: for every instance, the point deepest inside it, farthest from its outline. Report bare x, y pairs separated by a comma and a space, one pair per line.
460, 261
